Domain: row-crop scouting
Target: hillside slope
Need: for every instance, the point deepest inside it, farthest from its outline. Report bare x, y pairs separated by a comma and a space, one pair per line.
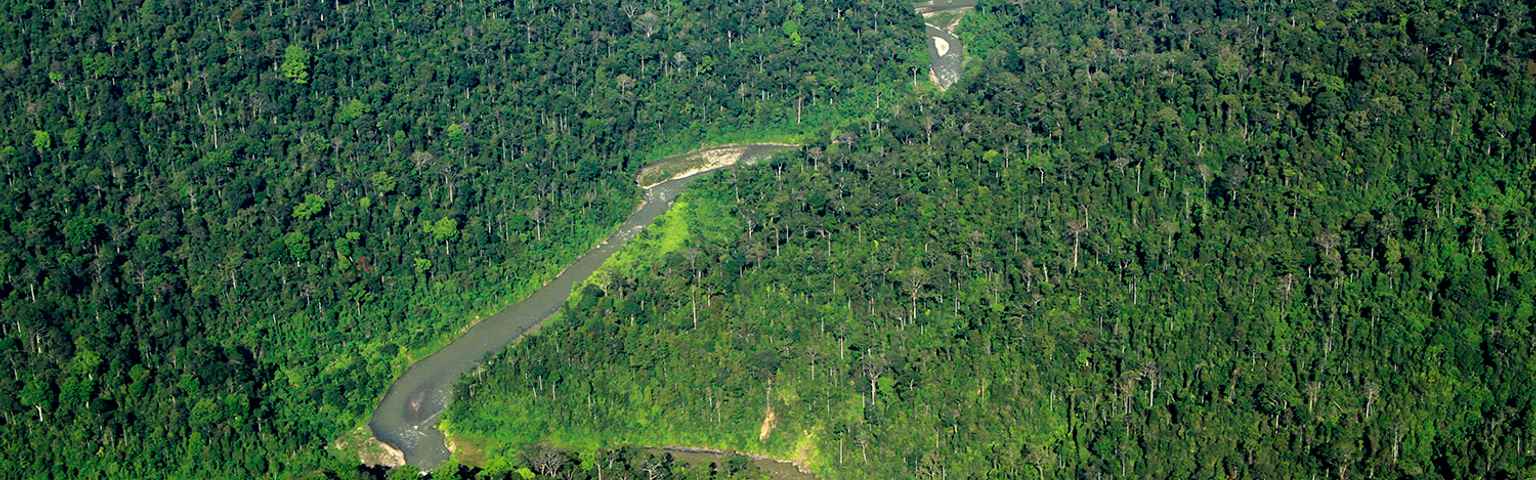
228, 225
1141, 240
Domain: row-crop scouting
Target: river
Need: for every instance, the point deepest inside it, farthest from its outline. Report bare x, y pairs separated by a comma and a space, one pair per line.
407, 417
947, 51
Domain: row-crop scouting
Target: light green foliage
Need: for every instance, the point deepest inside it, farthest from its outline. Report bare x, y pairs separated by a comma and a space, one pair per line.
791, 26
1228, 62
351, 111
41, 141
791, 29
383, 182
297, 244
36, 394
1055, 274
295, 65
98, 65
80, 230
85, 361
669, 233
71, 139
442, 230
345, 245
1340, 291
311, 205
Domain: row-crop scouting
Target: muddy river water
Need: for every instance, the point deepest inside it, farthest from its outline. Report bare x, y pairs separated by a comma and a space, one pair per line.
407, 417
947, 51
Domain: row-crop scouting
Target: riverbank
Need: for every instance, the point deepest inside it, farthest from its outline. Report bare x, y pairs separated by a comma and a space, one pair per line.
368, 449
942, 18
406, 418
682, 166
556, 411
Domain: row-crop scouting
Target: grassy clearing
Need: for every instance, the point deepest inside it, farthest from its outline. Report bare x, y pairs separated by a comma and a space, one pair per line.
666, 235
692, 218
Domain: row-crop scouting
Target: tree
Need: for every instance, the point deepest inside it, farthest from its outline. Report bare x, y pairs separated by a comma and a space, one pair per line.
874, 367
547, 462
311, 205
455, 133
297, 244
537, 215
36, 394
421, 158
625, 82
1076, 227
41, 141
647, 23
442, 230
913, 281
295, 66
351, 111
1040, 457
383, 182
791, 29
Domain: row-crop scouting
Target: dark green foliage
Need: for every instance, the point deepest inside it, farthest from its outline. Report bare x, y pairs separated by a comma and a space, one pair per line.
1186, 239
629, 462
213, 212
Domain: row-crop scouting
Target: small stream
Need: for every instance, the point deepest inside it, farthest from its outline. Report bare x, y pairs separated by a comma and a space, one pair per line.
407, 417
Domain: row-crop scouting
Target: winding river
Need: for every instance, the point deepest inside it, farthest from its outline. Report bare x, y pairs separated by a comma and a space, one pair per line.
406, 419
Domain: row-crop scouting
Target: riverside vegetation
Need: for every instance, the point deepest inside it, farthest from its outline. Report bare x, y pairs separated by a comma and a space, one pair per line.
228, 225
1146, 239
1149, 240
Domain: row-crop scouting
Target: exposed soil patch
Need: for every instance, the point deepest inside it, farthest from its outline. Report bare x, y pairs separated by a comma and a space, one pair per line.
770, 420
370, 451
467, 452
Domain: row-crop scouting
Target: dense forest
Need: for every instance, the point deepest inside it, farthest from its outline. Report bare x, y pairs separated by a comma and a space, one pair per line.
1138, 239
228, 225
